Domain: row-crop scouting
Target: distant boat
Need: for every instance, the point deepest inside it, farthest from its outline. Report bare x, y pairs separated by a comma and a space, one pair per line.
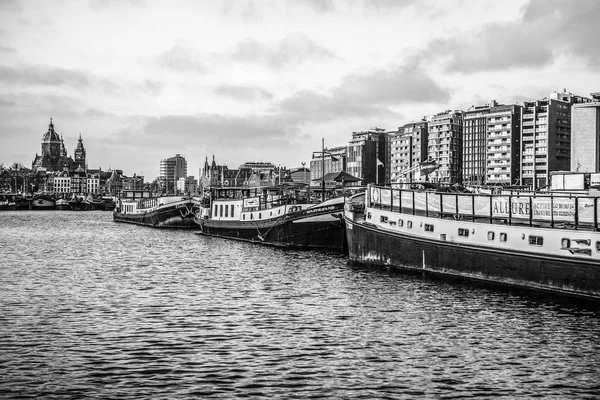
42, 202
275, 216
63, 204
95, 204
79, 204
140, 208
8, 202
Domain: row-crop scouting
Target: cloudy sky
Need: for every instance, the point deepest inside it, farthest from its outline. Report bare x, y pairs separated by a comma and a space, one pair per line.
267, 80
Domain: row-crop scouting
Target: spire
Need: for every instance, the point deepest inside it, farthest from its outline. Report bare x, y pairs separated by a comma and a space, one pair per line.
51, 126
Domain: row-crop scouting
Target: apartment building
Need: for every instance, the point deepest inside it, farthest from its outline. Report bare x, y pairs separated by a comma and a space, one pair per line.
546, 137
444, 145
407, 148
585, 135
326, 161
366, 155
491, 133
171, 169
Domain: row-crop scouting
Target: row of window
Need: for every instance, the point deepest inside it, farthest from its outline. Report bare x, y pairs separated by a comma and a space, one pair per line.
533, 240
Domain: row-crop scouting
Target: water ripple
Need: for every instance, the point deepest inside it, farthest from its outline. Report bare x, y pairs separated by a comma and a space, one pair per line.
94, 309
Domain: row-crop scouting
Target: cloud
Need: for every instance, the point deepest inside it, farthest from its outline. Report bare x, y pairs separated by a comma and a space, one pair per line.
402, 85
217, 130
308, 106
11, 5
371, 94
244, 93
294, 48
10, 50
7, 103
44, 75
545, 31
181, 59
573, 25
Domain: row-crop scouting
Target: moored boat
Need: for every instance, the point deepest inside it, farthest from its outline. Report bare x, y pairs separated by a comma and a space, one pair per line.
62, 204
539, 241
8, 201
42, 202
95, 203
78, 203
138, 207
275, 216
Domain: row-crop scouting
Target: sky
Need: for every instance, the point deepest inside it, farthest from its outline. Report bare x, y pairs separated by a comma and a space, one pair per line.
245, 80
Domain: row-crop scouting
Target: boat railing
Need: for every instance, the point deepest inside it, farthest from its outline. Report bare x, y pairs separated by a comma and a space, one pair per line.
532, 209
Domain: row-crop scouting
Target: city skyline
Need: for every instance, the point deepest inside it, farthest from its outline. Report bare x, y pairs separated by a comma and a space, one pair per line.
265, 81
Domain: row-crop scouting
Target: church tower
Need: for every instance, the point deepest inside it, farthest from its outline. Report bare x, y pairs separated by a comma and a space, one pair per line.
80, 154
51, 144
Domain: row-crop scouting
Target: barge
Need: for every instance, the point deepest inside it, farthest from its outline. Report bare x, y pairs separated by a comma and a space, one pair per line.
140, 208
275, 216
548, 242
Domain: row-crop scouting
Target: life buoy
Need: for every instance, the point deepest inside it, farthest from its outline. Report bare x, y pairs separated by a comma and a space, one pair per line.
375, 195
226, 183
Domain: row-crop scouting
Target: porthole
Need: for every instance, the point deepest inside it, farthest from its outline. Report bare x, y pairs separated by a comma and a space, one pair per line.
383, 218
503, 237
428, 228
409, 224
491, 235
400, 222
565, 243
463, 232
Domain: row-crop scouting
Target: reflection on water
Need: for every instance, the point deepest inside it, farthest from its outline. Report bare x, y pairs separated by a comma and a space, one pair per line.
92, 308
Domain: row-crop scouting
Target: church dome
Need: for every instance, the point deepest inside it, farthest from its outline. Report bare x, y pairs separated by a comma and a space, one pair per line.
51, 135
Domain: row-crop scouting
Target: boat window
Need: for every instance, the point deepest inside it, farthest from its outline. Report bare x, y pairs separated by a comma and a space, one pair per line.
369, 215
232, 210
400, 222
503, 237
443, 236
565, 243
491, 235
428, 228
409, 224
226, 211
259, 215
383, 218
271, 214
597, 246
244, 216
252, 216
463, 232
536, 240
221, 210
216, 208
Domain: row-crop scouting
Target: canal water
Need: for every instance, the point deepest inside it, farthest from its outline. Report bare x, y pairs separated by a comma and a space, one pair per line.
94, 309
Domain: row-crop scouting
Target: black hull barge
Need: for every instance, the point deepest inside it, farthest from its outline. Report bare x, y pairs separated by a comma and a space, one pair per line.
274, 220
540, 242
158, 212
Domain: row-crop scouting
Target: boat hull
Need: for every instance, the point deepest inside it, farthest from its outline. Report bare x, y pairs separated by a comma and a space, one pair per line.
176, 216
79, 205
317, 229
63, 205
42, 203
371, 245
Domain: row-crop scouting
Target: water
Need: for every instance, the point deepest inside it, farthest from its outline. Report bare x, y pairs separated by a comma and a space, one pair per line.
95, 309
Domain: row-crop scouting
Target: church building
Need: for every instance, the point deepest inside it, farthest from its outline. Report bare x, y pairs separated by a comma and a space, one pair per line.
54, 154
